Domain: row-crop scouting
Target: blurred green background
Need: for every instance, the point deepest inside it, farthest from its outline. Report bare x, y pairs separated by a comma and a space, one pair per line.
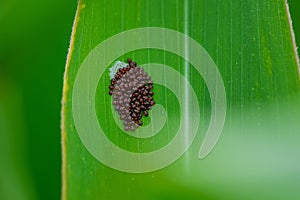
34, 40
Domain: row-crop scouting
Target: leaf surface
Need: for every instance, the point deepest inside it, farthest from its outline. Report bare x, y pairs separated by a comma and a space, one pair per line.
252, 46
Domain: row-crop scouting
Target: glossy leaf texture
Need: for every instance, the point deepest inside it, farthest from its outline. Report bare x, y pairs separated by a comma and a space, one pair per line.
257, 155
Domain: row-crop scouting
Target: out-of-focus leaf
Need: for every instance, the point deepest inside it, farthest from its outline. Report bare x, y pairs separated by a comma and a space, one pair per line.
15, 178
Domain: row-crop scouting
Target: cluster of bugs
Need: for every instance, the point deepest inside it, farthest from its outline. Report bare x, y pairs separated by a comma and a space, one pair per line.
132, 91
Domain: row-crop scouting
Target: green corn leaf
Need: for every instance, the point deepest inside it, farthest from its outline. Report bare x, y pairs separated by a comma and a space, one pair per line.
227, 91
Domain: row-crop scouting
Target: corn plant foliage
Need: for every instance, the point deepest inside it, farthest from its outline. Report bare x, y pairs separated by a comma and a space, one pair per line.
257, 155
16, 182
